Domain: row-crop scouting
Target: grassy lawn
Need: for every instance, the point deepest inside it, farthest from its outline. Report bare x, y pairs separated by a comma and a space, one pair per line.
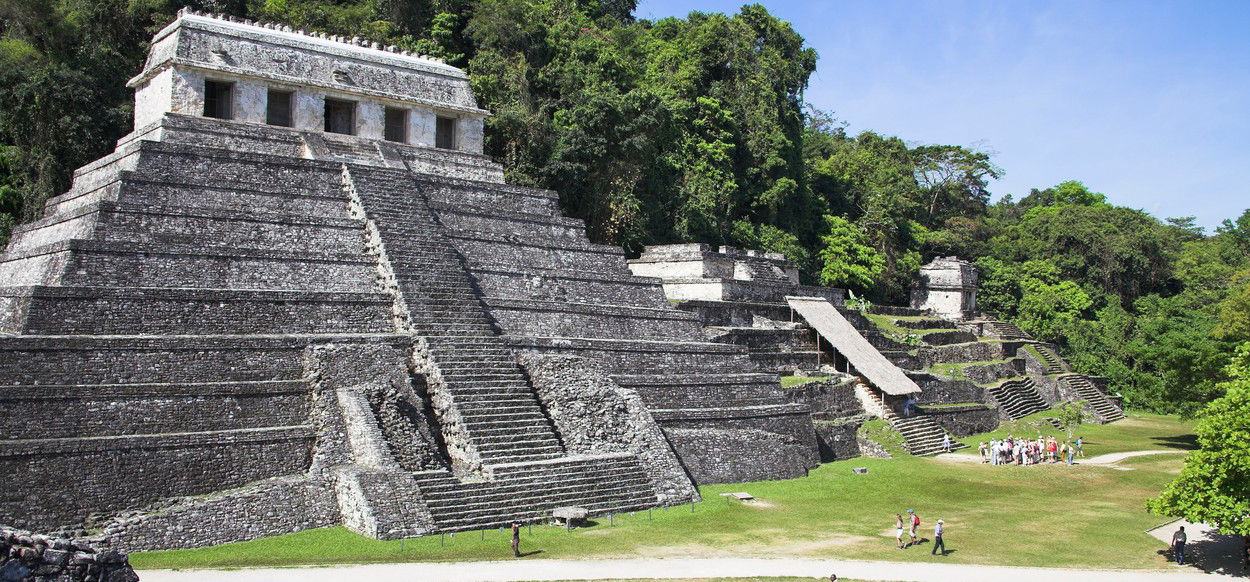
830, 513
1138, 432
790, 381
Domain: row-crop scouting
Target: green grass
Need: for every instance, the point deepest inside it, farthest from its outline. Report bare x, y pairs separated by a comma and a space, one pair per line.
830, 513
882, 433
1138, 432
791, 381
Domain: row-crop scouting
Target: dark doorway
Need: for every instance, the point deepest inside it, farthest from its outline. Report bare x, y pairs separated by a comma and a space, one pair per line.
278, 108
396, 125
340, 116
218, 99
445, 133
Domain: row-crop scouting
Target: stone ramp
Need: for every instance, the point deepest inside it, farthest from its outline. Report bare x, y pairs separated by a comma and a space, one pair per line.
831, 325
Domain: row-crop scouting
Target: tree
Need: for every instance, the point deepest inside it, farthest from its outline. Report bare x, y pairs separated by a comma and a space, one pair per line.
1071, 415
1214, 486
846, 258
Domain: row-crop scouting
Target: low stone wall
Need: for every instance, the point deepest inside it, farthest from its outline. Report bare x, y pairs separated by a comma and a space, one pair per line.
738, 455
990, 373
963, 420
837, 438
595, 415
25, 556
829, 399
940, 390
268, 508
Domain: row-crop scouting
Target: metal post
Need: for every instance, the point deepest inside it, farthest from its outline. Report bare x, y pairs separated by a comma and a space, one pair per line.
483, 535
691, 504
648, 514
441, 541
611, 520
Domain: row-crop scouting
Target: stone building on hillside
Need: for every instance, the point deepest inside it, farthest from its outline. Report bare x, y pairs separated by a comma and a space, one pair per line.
947, 286
298, 295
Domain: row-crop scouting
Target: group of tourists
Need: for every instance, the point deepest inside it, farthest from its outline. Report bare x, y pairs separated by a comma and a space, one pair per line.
912, 525
1026, 451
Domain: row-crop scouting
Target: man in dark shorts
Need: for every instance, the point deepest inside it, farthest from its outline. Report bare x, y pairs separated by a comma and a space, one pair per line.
516, 539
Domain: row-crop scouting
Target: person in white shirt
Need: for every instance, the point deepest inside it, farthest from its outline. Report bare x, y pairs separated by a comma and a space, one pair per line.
938, 530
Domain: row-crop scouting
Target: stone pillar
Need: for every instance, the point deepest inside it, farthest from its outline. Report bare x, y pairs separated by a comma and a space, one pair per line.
370, 119
251, 100
469, 133
310, 110
421, 127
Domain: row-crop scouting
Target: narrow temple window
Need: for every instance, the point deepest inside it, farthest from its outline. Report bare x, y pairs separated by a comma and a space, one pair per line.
396, 125
445, 133
218, 99
278, 108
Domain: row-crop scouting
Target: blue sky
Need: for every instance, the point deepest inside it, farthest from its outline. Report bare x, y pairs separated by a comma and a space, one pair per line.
1148, 102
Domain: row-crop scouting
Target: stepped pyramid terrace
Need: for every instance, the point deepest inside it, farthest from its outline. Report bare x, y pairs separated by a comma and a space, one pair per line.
298, 295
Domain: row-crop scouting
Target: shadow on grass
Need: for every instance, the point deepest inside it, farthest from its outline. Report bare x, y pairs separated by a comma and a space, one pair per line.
530, 553
1222, 554
1184, 442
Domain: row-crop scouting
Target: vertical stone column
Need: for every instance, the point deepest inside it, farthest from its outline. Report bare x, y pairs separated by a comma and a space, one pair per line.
421, 127
310, 109
370, 119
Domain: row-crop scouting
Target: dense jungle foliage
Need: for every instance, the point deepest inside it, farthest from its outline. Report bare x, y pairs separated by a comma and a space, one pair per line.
695, 129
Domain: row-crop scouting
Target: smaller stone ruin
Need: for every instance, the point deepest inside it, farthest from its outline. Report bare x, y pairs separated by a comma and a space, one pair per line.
27, 557
947, 287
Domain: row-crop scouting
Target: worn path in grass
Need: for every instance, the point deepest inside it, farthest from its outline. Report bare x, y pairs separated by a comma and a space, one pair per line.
526, 570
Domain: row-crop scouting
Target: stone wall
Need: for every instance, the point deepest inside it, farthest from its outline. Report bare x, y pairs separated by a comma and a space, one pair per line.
31, 557
594, 415
737, 455
837, 438
963, 420
266, 508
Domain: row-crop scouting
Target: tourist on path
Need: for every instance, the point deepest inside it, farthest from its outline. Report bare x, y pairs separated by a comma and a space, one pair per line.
1080, 447
915, 525
516, 539
1071, 453
898, 533
938, 530
946, 443
1178, 545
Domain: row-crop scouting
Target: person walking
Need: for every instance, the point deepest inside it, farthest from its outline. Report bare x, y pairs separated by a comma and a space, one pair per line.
1071, 454
946, 443
1178, 545
938, 530
1080, 447
898, 533
915, 525
516, 539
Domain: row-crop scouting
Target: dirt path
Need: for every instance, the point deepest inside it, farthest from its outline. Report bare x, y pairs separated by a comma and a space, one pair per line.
526, 570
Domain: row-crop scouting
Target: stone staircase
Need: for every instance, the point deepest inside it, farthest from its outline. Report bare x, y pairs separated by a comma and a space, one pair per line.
1005, 330
528, 492
1097, 401
1017, 398
921, 435
484, 389
1052, 363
